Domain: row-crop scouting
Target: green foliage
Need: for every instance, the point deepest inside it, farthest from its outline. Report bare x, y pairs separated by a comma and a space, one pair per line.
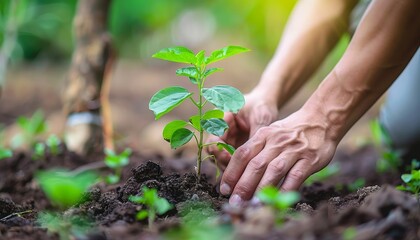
390, 159
31, 129
349, 233
154, 204
66, 226
411, 180
39, 151
116, 162
325, 173
279, 201
5, 153
53, 143
63, 188
224, 98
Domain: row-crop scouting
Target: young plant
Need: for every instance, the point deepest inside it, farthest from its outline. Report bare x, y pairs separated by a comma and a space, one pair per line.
31, 128
65, 225
279, 201
224, 98
411, 181
327, 172
39, 151
116, 162
53, 143
390, 159
65, 189
154, 204
5, 153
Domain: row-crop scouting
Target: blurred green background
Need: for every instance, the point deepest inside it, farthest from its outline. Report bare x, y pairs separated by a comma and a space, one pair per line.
139, 27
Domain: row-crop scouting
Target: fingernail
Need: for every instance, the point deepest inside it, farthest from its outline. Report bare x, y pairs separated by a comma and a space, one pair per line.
255, 201
225, 189
235, 200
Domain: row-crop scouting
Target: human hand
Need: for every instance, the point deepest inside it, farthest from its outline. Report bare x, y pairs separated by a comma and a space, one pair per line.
287, 152
258, 112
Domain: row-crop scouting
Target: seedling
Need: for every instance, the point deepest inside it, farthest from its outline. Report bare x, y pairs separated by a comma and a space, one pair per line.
224, 98
116, 162
63, 188
390, 159
411, 181
39, 151
279, 201
31, 129
5, 153
53, 143
66, 226
154, 204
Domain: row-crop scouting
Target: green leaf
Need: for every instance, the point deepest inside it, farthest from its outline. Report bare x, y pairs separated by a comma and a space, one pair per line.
195, 121
162, 205
142, 214
215, 113
176, 54
167, 99
112, 179
180, 137
113, 160
226, 98
406, 177
210, 71
190, 72
5, 153
136, 199
171, 127
200, 58
268, 194
225, 52
226, 146
286, 199
215, 126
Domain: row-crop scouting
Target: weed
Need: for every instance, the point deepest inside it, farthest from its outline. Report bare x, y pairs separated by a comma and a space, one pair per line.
116, 162
66, 226
154, 203
279, 201
224, 98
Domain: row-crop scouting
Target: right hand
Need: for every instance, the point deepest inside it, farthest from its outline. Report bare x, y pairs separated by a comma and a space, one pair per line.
258, 112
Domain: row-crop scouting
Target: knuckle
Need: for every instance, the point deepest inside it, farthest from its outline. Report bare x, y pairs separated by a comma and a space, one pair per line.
277, 166
257, 165
242, 152
230, 179
243, 190
296, 175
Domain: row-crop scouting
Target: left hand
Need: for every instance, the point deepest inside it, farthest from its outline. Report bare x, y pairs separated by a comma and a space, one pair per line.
287, 152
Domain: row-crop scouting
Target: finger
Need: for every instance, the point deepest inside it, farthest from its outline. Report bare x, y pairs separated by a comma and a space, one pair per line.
239, 160
254, 171
277, 169
296, 176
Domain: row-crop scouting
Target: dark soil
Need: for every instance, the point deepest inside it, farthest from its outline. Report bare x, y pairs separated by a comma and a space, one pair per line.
377, 211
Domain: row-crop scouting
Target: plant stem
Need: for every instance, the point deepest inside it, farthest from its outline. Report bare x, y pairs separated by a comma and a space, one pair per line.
200, 116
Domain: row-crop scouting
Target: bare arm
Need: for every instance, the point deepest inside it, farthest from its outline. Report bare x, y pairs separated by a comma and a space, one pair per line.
292, 149
312, 31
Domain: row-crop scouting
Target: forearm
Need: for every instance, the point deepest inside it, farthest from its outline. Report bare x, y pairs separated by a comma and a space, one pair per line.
312, 31
385, 41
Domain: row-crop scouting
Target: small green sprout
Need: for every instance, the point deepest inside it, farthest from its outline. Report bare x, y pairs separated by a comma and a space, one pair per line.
53, 143
224, 98
116, 162
279, 201
390, 159
5, 153
66, 226
65, 189
39, 151
154, 203
31, 129
411, 181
